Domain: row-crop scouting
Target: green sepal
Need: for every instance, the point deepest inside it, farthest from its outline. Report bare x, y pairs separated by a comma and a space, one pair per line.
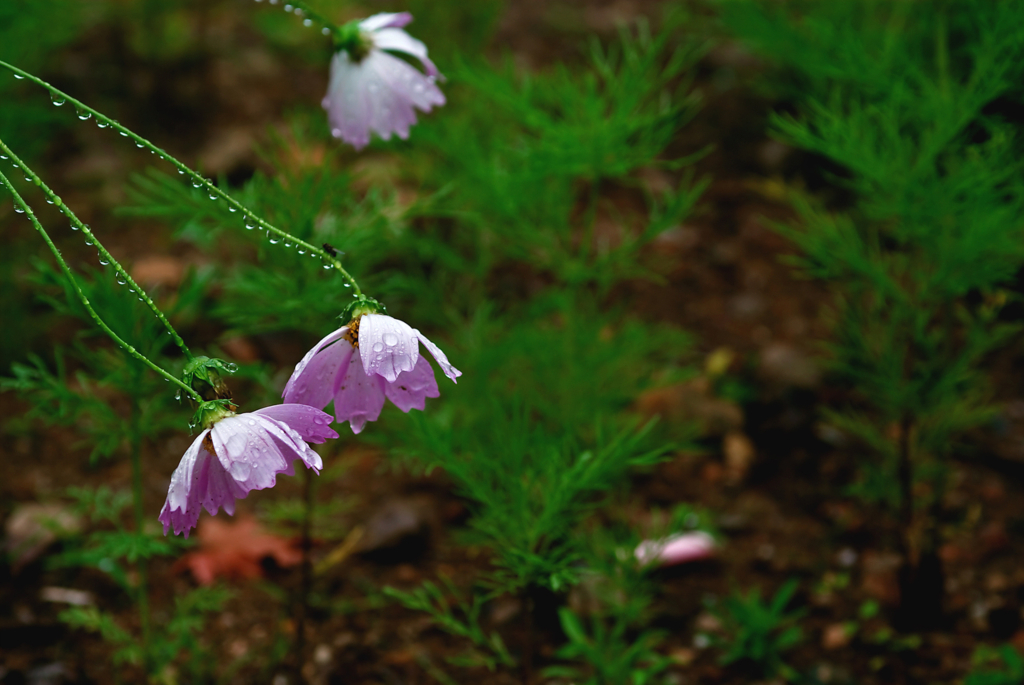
360, 306
210, 413
353, 40
203, 375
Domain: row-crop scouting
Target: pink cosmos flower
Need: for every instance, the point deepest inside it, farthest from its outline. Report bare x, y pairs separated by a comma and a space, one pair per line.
676, 549
389, 366
371, 89
239, 453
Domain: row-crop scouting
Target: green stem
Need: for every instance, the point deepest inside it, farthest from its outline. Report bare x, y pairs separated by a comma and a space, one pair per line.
306, 12
19, 202
104, 254
142, 587
197, 179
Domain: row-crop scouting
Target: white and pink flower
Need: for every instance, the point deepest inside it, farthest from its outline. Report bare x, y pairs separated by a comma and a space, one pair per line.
238, 453
372, 89
388, 366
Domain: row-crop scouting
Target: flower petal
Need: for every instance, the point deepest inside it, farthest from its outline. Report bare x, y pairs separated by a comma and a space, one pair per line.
246, 452
438, 355
347, 102
203, 482
185, 475
359, 397
313, 377
385, 20
387, 346
400, 41
290, 444
676, 549
412, 388
310, 423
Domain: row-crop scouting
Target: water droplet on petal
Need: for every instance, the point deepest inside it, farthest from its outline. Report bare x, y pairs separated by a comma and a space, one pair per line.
240, 470
378, 347
390, 339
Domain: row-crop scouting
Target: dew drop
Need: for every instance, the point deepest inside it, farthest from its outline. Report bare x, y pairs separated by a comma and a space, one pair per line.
232, 209
252, 422
138, 144
307, 22
19, 210
390, 339
181, 171
287, 8
57, 99
3, 156
196, 183
88, 241
300, 250
326, 31
121, 280
18, 76
213, 195
124, 133
378, 347
328, 266
83, 115
249, 225
103, 260
274, 240
239, 469
101, 123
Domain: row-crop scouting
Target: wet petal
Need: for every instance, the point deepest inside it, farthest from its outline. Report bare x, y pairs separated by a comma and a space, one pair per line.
359, 398
412, 388
438, 355
290, 444
246, 452
387, 346
400, 41
385, 20
313, 377
310, 423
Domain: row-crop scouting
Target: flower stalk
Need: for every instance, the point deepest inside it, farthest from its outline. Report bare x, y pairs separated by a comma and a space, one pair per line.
196, 178
105, 255
20, 202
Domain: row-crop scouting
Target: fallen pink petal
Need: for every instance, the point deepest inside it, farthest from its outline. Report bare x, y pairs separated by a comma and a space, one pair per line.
676, 549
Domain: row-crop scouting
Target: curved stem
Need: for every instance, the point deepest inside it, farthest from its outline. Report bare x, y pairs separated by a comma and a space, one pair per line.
196, 178
104, 254
19, 202
305, 12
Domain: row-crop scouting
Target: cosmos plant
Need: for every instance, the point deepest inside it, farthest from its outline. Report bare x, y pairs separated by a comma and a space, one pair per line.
236, 453
388, 365
373, 90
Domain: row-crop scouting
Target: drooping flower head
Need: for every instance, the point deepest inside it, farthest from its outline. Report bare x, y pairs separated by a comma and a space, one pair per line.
238, 453
373, 90
371, 358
